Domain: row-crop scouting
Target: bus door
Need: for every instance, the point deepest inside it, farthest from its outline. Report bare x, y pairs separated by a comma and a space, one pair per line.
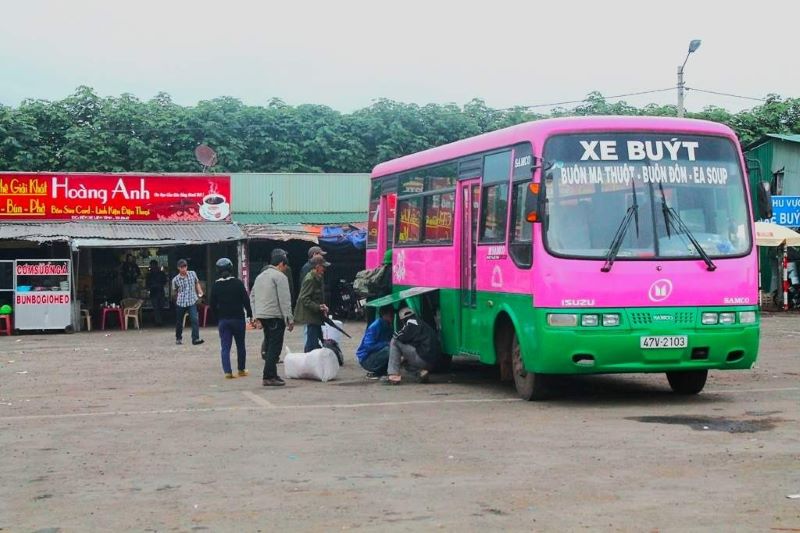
469, 193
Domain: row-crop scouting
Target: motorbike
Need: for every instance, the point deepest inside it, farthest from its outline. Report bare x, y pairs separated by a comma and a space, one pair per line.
347, 303
793, 293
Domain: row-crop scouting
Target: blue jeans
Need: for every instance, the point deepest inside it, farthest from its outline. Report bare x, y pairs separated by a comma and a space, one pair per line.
180, 312
376, 362
314, 337
232, 329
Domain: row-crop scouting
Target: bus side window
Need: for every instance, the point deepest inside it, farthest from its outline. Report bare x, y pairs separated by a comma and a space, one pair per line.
409, 221
494, 209
521, 231
494, 197
374, 213
391, 214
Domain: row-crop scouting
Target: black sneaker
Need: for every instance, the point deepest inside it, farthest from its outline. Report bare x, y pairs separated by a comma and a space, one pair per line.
178, 341
372, 375
198, 341
273, 382
278, 378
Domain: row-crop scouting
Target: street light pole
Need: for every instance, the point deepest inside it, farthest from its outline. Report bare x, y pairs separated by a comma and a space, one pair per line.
693, 46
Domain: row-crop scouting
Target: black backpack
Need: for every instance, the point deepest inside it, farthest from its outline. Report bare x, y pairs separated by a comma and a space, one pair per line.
334, 346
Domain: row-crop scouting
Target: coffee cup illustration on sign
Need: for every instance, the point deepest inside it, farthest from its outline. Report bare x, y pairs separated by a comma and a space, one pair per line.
214, 207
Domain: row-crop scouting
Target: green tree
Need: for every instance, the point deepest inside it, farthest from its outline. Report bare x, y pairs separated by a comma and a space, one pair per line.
84, 132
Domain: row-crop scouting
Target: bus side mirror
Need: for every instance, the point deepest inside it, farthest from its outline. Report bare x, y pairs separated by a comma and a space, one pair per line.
764, 200
532, 211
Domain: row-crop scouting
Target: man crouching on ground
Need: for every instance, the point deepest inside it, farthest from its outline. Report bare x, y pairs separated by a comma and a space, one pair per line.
416, 343
373, 352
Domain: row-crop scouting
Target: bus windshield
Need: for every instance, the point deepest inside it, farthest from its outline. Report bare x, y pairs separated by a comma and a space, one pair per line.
686, 187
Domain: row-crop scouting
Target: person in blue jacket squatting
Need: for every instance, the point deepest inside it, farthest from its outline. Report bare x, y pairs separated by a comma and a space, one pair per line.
373, 352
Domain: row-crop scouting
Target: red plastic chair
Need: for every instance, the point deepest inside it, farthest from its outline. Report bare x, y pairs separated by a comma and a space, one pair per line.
202, 315
7, 327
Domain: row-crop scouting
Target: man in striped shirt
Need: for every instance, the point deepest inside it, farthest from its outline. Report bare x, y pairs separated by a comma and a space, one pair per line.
187, 292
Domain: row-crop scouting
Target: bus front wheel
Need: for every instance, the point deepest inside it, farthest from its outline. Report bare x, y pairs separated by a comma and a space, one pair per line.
530, 385
689, 382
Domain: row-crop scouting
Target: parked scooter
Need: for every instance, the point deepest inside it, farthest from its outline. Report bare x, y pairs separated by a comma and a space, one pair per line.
793, 293
347, 304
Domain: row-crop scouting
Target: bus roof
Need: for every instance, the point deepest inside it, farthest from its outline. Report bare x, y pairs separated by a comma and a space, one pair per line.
538, 130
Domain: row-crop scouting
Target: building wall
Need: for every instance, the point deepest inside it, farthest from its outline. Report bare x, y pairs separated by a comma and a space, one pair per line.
759, 163
787, 154
771, 156
299, 193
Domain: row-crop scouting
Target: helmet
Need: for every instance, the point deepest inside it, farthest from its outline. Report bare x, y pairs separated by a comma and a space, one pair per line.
224, 265
387, 257
405, 313
5, 310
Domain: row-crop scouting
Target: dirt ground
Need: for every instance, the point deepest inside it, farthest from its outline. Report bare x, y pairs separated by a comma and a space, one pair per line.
117, 431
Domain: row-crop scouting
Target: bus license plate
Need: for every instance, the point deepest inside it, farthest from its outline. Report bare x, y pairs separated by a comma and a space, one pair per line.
664, 341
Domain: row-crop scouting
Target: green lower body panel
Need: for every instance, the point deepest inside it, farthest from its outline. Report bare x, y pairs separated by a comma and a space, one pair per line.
597, 349
602, 349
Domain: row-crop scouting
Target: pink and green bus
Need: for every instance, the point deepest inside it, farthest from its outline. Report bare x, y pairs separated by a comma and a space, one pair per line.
577, 246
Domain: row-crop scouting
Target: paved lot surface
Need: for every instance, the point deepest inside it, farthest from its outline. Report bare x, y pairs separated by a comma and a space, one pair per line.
114, 431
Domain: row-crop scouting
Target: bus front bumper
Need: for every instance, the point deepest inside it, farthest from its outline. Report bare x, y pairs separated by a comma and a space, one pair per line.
631, 346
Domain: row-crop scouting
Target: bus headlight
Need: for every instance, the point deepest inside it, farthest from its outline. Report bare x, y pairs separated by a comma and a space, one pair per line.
611, 320
590, 320
747, 317
562, 320
709, 319
727, 318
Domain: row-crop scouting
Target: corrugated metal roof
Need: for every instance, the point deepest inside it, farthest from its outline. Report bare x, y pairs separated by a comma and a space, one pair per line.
88, 234
280, 232
301, 218
790, 138
299, 193
765, 138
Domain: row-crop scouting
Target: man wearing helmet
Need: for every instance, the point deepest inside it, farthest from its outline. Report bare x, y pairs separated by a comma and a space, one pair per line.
416, 344
229, 302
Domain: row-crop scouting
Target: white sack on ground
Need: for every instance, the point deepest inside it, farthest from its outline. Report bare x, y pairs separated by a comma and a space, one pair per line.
320, 364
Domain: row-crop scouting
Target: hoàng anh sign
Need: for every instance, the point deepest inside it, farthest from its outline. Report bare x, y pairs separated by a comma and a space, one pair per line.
115, 197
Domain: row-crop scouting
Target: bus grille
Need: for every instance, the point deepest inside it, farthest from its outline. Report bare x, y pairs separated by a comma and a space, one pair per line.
645, 318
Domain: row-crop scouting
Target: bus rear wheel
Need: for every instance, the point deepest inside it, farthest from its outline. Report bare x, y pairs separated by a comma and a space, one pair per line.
688, 382
530, 385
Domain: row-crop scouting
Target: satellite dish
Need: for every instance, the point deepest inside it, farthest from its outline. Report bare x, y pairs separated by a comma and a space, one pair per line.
206, 156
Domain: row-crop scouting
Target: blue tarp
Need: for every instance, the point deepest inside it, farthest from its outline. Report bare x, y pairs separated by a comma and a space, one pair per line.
342, 236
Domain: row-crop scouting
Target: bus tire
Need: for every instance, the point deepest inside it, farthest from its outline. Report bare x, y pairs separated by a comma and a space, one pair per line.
530, 385
687, 382
443, 363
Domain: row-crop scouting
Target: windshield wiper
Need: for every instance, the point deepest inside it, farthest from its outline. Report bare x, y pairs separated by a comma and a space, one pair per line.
631, 214
672, 219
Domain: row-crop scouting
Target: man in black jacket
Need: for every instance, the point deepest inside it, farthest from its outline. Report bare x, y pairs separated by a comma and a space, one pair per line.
229, 301
130, 277
416, 343
155, 281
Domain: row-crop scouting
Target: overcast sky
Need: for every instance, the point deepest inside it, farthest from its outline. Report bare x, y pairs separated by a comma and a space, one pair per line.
346, 54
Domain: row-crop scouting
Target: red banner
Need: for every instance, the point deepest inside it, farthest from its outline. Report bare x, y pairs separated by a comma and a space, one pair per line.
185, 198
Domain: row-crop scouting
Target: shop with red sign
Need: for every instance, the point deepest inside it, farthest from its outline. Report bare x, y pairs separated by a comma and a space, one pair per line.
80, 229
